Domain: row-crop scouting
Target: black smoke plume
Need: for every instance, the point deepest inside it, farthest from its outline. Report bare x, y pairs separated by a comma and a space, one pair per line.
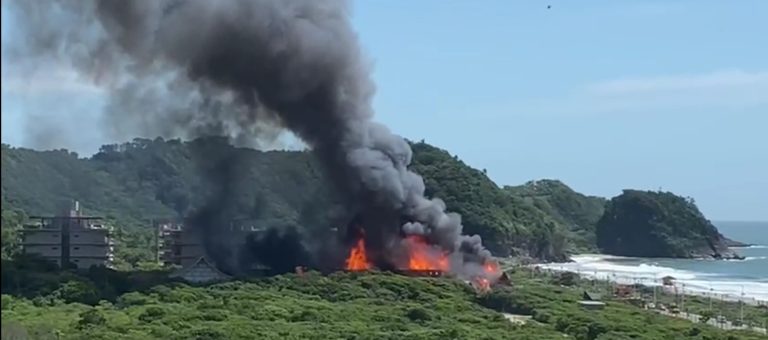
239, 68
281, 251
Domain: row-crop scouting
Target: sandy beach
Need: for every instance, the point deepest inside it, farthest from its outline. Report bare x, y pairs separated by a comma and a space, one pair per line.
624, 270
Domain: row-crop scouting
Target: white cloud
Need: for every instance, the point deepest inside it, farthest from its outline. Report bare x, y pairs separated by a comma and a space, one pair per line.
714, 81
723, 92
718, 92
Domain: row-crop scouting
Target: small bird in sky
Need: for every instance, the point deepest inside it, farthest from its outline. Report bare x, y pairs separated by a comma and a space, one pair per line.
549, 6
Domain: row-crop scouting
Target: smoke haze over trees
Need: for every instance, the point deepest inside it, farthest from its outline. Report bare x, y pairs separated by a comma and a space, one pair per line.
243, 69
134, 182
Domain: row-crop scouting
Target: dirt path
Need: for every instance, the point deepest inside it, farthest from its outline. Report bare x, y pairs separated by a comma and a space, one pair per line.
517, 318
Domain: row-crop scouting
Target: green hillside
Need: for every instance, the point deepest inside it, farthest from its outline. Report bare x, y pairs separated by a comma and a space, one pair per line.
338, 306
135, 182
579, 213
658, 224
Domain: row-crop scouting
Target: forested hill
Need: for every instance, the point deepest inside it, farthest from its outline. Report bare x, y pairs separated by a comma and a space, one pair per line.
658, 224
130, 184
579, 213
145, 179
135, 182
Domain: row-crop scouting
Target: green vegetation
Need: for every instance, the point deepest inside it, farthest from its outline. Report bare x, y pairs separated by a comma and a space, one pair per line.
577, 212
34, 278
730, 310
507, 224
754, 315
658, 224
132, 183
556, 306
11, 222
338, 306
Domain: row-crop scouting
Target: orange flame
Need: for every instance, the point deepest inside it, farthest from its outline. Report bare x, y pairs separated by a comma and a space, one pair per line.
491, 272
491, 268
357, 260
423, 257
483, 285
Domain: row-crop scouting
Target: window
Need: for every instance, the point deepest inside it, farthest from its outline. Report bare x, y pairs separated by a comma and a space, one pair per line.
77, 248
54, 248
76, 260
77, 235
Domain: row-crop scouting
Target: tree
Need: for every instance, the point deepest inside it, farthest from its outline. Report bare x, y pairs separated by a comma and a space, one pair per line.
706, 315
91, 318
12, 220
79, 291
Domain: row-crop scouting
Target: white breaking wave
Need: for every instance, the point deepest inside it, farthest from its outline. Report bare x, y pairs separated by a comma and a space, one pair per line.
607, 267
748, 258
754, 246
752, 258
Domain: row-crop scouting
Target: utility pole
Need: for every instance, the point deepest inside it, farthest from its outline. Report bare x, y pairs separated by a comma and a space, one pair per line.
682, 299
156, 228
741, 302
655, 283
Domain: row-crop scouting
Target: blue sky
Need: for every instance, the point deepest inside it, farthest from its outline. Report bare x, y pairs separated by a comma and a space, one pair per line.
601, 95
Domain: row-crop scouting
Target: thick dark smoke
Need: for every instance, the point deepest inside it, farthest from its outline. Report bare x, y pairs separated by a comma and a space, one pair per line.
281, 251
239, 68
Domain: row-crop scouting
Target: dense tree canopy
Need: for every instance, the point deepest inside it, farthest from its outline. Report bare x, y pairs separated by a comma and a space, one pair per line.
337, 306
131, 184
577, 212
658, 224
135, 182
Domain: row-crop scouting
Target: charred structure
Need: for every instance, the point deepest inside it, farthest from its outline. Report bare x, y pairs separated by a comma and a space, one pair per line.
242, 69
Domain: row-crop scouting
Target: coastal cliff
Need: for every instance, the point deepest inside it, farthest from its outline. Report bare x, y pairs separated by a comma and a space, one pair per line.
659, 224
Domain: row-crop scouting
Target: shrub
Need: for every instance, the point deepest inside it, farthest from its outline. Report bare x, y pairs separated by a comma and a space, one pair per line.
565, 279
78, 291
541, 316
91, 318
152, 313
418, 314
706, 316
132, 299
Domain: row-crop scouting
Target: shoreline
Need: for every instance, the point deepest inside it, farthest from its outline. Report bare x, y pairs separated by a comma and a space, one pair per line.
612, 269
673, 289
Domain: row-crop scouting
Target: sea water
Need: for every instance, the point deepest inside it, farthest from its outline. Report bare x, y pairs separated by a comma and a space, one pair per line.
732, 279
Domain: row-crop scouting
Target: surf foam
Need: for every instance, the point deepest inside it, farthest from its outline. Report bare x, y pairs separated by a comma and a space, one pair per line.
627, 270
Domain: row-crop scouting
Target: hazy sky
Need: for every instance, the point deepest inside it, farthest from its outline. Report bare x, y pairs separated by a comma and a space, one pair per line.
601, 95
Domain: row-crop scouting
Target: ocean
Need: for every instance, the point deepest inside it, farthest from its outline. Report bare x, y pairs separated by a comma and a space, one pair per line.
731, 279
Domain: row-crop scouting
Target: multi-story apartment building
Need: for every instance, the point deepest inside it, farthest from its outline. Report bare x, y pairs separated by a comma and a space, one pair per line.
183, 247
178, 246
74, 239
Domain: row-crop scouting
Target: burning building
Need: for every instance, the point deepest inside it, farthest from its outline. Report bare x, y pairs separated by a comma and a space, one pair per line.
414, 255
243, 69
69, 239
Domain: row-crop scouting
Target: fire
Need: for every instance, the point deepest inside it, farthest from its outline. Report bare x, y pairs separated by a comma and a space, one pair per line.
491, 268
483, 285
357, 260
423, 257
